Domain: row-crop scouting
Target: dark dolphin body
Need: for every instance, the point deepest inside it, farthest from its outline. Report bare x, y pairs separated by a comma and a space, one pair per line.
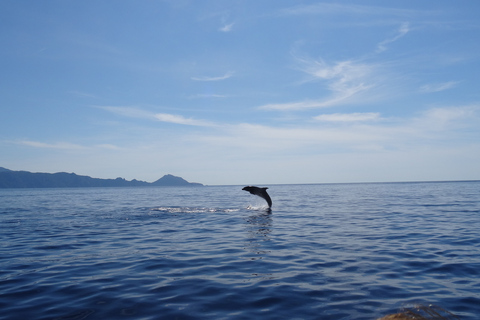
261, 192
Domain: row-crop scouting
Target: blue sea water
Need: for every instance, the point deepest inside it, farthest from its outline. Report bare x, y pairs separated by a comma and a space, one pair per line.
331, 251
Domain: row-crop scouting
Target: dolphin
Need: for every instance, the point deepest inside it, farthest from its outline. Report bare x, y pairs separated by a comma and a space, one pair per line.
261, 192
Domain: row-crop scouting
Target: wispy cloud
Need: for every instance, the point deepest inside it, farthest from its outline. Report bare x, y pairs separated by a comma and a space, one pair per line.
440, 119
82, 94
260, 139
348, 117
129, 112
344, 80
229, 145
402, 31
225, 20
218, 78
108, 146
342, 73
58, 145
307, 104
227, 27
134, 112
172, 118
437, 87
337, 99
206, 96
357, 131
64, 145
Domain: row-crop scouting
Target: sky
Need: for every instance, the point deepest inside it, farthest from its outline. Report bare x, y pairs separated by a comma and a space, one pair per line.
242, 92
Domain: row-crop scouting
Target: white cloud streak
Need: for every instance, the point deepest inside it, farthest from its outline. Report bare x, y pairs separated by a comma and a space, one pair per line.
133, 112
358, 131
129, 112
65, 146
437, 87
219, 78
58, 145
439, 119
227, 27
224, 149
402, 31
348, 117
207, 96
345, 79
177, 119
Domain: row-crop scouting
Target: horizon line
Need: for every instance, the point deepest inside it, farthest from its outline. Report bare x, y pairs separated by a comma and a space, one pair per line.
273, 184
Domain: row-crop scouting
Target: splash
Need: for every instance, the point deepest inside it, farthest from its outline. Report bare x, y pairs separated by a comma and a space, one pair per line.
258, 208
176, 210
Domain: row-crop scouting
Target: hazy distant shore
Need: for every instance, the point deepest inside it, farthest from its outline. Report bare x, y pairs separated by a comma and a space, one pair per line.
25, 179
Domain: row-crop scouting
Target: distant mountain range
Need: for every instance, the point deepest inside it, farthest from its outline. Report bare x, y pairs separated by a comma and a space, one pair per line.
25, 179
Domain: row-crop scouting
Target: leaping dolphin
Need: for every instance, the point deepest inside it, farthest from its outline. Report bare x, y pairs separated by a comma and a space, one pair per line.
261, 192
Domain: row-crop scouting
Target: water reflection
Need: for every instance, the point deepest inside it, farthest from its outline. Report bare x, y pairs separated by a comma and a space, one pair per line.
258, 227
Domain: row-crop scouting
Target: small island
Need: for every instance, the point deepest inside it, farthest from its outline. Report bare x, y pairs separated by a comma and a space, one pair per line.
26, 179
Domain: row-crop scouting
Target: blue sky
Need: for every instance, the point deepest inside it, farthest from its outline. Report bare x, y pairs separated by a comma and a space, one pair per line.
242, 92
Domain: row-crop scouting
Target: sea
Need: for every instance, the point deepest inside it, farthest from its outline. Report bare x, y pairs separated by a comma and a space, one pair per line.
324, 251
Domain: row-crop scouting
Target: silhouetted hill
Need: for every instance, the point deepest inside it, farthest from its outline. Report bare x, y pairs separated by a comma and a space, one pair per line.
169, 180
25, 179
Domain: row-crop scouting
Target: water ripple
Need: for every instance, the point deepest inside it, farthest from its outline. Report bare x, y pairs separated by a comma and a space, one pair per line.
324, 252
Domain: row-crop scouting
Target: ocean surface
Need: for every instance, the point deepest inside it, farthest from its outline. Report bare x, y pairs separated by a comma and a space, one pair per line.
327, 251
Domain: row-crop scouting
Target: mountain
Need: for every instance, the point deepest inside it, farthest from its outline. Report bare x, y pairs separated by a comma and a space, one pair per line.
25, 179
169, 180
